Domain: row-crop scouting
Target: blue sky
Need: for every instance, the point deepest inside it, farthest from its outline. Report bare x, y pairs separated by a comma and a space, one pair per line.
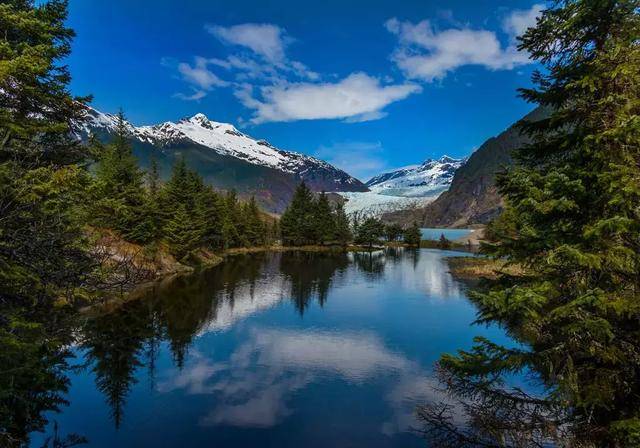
367, 85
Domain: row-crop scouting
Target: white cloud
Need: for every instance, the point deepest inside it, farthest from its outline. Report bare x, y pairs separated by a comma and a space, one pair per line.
358, 97
265, 39
197, 95
199, 75
362, 159
517, 22
429, 54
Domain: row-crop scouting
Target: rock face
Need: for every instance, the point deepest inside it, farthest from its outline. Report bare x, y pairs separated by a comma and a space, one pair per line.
225, 157
473, 197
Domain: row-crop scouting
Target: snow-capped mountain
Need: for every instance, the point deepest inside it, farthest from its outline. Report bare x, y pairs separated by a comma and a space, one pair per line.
402, 189
226, 157
428, 179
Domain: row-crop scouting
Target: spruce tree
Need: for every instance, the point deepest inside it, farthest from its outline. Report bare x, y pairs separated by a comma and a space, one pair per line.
43, 254
323, 220
180, 233
255, 226
369, 232
297, 224
392, 232
211, 213
574, 227
118, 189
412, 235
342, 231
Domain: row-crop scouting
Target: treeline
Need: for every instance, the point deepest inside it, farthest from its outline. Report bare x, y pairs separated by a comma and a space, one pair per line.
183, 213
309, 220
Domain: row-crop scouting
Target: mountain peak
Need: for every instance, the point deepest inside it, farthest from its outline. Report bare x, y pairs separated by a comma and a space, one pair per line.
447, 159
200, 117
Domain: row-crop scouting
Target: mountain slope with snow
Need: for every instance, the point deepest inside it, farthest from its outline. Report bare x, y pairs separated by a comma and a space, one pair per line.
226, 157
426, 180
403, 189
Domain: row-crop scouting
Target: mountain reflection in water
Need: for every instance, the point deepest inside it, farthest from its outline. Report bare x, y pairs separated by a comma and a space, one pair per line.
282, 349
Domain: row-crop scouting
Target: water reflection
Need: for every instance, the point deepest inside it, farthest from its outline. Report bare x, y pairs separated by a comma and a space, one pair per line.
224, 347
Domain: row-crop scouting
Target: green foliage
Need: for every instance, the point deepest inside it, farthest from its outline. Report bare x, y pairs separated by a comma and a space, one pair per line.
572, 220
412, 235
369, 232
313, 221
118, 189
323, 220
297, 222
342, 230
393, 232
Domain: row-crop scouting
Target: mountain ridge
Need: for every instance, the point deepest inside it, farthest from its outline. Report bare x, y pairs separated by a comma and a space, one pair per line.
251, 166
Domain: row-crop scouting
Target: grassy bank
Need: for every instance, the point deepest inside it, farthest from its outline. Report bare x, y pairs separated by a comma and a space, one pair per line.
481, 267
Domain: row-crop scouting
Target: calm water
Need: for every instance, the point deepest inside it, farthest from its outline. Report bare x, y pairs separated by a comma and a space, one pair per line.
285, 350
450, 234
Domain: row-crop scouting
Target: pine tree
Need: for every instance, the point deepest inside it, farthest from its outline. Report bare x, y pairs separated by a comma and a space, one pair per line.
323, 220
118, 189
342, 233
392, 232
412, 235
369, 232
297, 224
574, 226
180, 233
255, 226
43, 254
211, 212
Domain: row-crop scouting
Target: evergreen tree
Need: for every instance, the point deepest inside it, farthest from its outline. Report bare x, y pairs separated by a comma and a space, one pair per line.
393, 232
234, 224
180, 233
211, 212
118, 189
574, 226
297, 224
412, 235
255, 226
369, 232
42, 192
341, 225
323, 220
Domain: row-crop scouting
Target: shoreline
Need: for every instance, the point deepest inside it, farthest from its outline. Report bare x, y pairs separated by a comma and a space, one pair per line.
207, 260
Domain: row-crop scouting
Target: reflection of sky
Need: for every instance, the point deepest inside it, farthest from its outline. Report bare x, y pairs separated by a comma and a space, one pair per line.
252, 387
348, 372
247, 300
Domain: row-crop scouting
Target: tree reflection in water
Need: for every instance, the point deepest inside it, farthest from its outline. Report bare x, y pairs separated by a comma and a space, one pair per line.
34, 359
117, 344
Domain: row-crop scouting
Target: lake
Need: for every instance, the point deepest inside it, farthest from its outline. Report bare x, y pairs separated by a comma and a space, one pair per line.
272, 349
450, 234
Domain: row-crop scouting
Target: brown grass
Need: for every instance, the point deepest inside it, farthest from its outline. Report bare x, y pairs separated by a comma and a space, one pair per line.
480, 267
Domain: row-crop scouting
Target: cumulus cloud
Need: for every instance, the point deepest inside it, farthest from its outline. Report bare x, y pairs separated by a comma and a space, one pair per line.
199, 74
267, 40
429, 54
517, 22
260, 59
358, 97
